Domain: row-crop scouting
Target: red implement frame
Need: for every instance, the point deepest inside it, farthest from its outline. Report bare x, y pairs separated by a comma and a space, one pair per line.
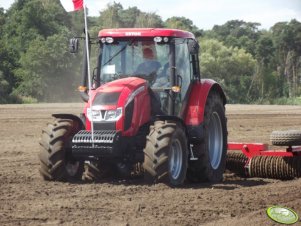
257, 149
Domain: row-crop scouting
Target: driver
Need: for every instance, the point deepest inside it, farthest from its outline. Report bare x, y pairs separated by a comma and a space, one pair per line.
163, 77
148, 69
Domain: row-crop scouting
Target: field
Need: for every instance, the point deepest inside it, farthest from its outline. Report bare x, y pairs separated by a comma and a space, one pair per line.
25, 199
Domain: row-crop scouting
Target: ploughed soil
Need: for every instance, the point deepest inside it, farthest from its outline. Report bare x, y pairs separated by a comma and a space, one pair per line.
26, 199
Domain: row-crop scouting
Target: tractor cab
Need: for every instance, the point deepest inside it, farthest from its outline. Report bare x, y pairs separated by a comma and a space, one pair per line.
167, 59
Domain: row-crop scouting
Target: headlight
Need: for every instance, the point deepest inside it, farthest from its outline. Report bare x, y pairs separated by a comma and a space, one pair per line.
113, 115
104, 115
96, 115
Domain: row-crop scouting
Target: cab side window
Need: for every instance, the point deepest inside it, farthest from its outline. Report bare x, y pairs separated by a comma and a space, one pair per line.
183, 70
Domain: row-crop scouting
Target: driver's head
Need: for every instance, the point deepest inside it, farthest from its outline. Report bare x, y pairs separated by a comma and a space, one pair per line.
148, 53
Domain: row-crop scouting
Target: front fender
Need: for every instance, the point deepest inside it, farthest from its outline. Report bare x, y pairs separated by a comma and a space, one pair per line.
197, 101
80, 120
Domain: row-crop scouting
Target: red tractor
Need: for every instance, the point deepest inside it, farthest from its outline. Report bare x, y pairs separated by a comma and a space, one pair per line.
148, 107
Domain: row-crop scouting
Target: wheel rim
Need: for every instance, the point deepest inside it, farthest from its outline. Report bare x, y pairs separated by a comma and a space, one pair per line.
72, 168
175, 159
215, 140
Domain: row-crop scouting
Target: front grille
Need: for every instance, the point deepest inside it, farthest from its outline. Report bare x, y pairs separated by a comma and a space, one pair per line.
105, 144
107, 137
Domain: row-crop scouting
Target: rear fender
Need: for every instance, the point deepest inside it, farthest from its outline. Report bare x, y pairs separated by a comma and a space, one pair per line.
196, 105
80, 120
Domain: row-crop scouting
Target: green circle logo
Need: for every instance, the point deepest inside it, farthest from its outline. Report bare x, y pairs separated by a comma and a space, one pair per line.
282, 215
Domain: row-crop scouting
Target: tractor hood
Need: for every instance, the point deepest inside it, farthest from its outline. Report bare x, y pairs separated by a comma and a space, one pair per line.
118, 93
120, 104
120, 84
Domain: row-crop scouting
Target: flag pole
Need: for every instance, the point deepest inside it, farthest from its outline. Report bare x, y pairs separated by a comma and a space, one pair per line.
88, 62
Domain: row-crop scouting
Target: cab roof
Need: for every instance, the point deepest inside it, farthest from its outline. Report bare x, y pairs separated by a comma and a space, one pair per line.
144, 32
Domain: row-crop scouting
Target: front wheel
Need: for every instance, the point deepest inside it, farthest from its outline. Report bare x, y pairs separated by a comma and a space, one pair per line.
56, 162
166, 154
211, 152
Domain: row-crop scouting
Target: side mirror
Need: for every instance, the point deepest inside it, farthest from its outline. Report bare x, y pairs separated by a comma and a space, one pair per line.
73, 45
193, 47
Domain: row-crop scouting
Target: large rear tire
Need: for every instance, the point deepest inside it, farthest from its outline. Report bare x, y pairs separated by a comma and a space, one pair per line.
56, 162
211, 152
166, 154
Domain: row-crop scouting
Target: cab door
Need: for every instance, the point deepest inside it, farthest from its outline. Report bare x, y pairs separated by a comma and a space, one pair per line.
183, 75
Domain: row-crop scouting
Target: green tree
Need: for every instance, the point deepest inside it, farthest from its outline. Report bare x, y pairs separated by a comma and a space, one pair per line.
114, 16
183, 23
47, 70
110, 17
237, 33
287, 38
4, 90
148, 20
29, 19
233, 68
265, 77
7, 64
129, 16
29, 23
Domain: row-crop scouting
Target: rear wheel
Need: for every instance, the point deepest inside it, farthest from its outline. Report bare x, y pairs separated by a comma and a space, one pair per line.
56, 161
166, 154
211, 152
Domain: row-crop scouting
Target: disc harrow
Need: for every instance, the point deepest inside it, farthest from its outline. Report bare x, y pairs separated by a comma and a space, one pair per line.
276, 167
256, 160
236, 163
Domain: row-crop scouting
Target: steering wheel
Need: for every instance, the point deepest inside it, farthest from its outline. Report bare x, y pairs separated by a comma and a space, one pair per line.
148, 70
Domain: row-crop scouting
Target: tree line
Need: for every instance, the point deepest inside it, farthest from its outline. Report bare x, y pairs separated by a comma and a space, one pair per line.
253, 65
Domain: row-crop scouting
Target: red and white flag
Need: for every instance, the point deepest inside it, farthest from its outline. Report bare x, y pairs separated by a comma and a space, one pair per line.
72, 5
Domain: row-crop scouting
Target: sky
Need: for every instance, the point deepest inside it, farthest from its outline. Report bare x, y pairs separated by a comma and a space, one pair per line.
207, 13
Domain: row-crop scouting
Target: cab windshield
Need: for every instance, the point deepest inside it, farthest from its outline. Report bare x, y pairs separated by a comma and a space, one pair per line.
142, 58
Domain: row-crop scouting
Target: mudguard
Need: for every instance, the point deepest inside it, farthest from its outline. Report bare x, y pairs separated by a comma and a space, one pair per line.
196, 105
79, 120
